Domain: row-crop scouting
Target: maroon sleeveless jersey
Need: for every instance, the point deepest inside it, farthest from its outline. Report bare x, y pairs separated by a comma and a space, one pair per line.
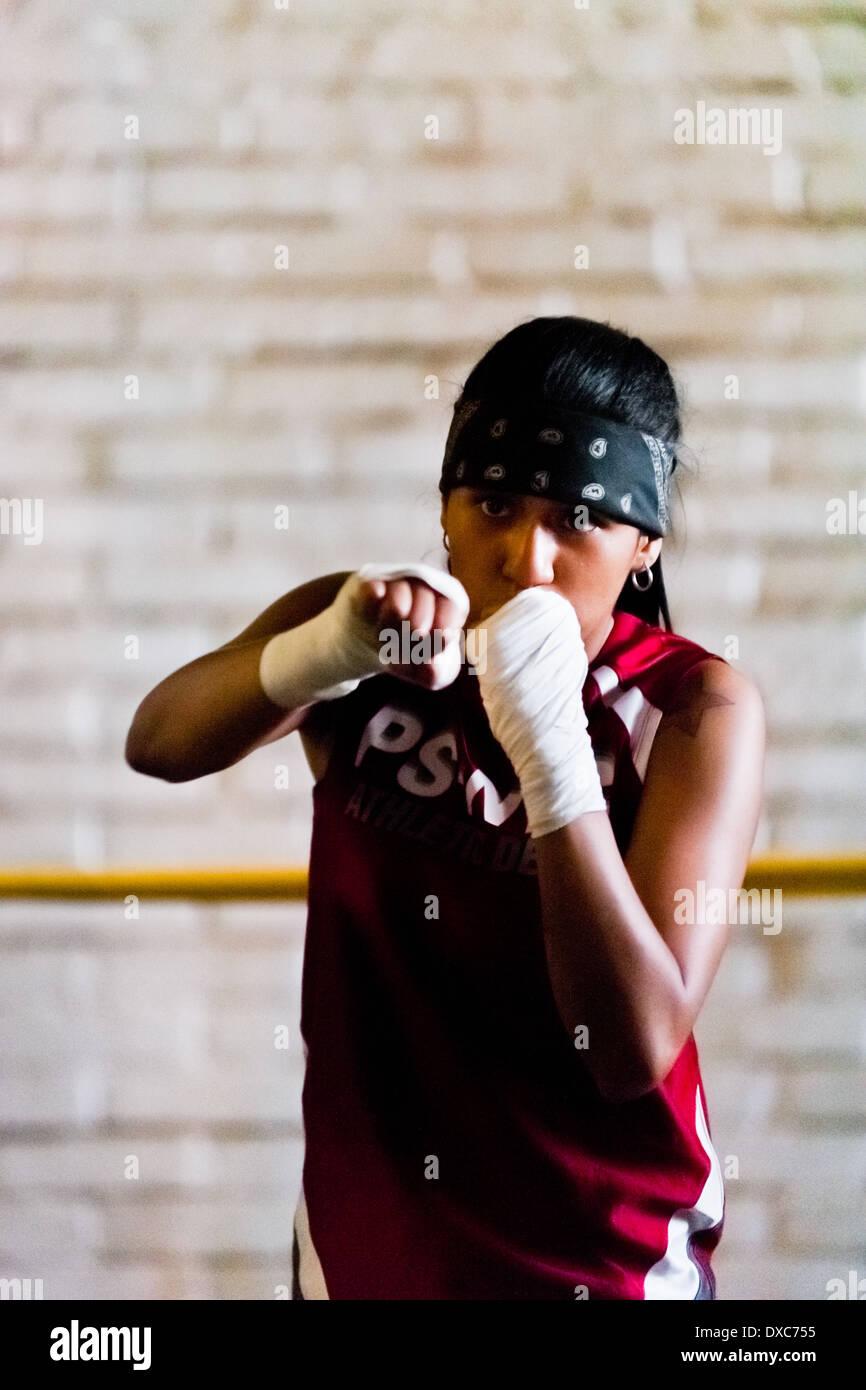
457, 1146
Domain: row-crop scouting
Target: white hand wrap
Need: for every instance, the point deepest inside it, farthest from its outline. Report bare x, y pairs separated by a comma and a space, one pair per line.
329, 655
536, 665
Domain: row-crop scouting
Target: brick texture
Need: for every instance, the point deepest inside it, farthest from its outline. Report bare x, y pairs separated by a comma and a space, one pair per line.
165, 386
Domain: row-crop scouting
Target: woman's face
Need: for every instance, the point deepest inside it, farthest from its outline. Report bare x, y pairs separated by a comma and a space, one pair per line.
503, 542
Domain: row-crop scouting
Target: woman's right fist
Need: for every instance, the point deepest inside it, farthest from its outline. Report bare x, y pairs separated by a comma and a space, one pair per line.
415, 615
329, 655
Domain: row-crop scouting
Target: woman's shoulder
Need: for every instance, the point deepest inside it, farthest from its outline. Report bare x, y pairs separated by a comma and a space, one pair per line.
714, 683
676, 683
704, 680
708, 670
671, 669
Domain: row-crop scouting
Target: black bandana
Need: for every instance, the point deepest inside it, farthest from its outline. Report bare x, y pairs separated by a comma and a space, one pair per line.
538, 448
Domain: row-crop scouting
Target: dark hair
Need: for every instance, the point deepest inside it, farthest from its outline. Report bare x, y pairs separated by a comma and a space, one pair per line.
585, 365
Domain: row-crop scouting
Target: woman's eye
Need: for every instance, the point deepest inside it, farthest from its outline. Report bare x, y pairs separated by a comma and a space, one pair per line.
497, 502
583, 519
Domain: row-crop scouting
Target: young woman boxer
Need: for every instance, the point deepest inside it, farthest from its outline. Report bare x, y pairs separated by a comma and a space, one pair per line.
503, 1098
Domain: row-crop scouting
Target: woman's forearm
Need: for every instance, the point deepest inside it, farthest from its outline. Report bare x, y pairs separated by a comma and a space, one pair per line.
611, 972
205, 717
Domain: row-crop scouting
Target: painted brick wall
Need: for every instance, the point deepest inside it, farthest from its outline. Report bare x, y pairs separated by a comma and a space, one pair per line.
154, 156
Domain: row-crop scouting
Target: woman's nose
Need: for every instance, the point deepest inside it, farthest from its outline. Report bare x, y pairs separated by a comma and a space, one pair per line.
531, 551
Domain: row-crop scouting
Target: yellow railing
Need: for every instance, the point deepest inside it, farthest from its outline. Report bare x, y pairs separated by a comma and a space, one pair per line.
803, 875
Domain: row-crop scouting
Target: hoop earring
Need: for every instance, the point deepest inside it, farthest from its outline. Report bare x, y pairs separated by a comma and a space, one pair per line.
445, 541
642, 587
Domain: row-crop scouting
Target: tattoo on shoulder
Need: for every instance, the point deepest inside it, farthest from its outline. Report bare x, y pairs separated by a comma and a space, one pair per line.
691, 703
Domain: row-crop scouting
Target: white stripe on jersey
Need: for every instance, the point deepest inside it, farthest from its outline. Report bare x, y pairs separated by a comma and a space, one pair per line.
676, 1275
643, 741
639, 715
605, 678
310, 1276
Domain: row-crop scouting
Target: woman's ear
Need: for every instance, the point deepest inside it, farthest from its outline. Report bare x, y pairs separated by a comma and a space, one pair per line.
650, 548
